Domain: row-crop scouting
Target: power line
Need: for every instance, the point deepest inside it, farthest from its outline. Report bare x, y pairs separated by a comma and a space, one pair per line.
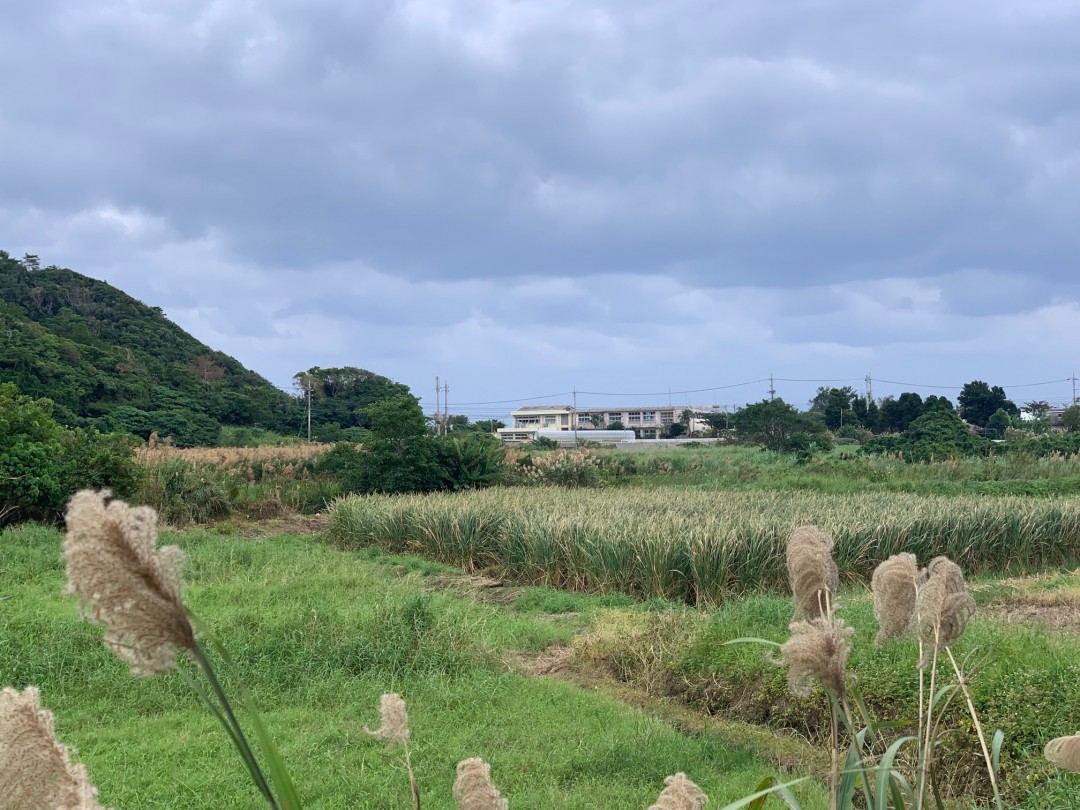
669, 393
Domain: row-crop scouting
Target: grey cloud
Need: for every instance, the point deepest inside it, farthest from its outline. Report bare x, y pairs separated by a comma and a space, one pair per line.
822, 141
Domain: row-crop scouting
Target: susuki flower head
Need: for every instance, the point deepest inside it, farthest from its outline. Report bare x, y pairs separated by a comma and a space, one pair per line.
817, 651
943, 607
1064, 752
894, 584
35, 771
394, 727
680, 793
473, 789
124, 582
812, 571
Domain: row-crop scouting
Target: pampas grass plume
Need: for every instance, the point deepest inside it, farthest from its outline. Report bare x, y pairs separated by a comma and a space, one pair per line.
817, 651
811, 571
943, 607
473, 789
894, 590
1064, 752
394, 727
125, 583
35, 771
680, 794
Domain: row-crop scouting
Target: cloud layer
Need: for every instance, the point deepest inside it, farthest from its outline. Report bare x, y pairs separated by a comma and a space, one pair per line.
537, 196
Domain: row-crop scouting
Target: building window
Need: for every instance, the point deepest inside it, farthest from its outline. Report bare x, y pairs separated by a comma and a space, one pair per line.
525, 421
584, 418
649, 416
634, 416
667, 417
614, 417
549, 421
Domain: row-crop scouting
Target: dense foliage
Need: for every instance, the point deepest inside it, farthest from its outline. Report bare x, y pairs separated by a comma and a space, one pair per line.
776, 425
42, 463
111, 363
400, 455
937, 435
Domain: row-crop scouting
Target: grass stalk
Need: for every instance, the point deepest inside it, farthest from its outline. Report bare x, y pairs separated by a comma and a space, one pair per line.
962, 681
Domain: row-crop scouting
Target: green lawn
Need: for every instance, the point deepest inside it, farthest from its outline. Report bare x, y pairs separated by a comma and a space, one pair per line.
317, 635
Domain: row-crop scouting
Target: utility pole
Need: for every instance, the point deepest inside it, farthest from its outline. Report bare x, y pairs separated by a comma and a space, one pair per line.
437, 389
573, 416
1074, 387
307, 390
869, 389
772, 387
445, 407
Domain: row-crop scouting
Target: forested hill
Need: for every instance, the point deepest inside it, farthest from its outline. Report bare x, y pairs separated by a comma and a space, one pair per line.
113, 363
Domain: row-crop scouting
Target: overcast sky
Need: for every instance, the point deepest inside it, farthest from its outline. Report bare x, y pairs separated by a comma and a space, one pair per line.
525, 198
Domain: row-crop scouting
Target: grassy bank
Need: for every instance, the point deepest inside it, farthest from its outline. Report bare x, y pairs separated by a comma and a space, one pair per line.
1026, 685
317, 635
699, 547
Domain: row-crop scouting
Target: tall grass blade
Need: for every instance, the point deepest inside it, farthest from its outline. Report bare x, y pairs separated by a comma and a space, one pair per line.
885, 784
746, 801
771, 783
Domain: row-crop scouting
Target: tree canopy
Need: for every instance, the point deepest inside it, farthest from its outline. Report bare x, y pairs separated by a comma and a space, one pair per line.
778, 426
978, 402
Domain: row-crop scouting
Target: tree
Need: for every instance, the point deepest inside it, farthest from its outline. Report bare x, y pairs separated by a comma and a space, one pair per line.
837, 406
42, 464
895, 415
937, 403
1038, 408
777, 426
1070, 419
615, 426
341, 394
206, 369
935, 435
674, 430
396, 417
488, 425
978, 402
998, 423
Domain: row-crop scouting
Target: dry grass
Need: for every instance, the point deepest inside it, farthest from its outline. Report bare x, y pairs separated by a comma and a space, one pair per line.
229, 457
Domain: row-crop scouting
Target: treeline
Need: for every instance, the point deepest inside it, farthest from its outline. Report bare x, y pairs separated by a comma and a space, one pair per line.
907, 425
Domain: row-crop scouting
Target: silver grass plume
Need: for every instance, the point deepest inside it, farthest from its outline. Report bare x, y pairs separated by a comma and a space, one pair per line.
943, 607
680, 794
473, 789
1064, 752
812, 572
394, 727
35, 771
125, 583
894, 590
817, 651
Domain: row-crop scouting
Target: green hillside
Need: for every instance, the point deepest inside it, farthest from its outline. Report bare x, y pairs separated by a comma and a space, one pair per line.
115, 364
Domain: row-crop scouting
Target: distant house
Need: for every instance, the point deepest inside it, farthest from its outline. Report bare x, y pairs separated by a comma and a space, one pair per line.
647, 422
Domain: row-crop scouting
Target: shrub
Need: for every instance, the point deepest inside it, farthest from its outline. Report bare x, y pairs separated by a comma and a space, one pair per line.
44, 463
933, 436
562, 468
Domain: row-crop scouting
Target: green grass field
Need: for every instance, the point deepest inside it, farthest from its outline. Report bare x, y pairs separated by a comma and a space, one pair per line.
317, 635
